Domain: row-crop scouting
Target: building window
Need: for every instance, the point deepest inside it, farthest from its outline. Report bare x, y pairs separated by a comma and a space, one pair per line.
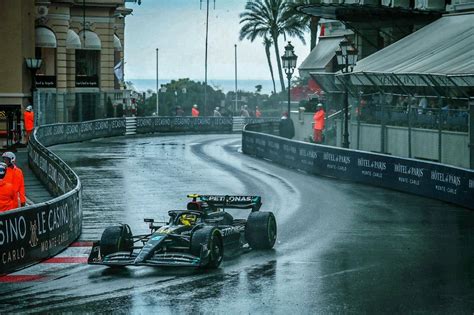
87, 62
48, 57
87, 68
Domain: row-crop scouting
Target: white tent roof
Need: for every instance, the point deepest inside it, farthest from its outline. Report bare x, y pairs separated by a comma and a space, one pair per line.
92, 40
444, 47
44, 37
73, 41
322, 54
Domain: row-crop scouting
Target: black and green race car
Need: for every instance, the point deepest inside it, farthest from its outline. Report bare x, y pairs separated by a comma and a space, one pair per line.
196, 237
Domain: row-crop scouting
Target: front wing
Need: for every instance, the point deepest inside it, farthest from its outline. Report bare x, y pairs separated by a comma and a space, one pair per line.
169, 259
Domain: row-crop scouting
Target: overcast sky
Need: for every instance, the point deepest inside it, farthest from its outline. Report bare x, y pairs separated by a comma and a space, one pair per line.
178, 29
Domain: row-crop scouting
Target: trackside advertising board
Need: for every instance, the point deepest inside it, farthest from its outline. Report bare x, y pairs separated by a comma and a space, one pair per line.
36, 232
30, 234
76, 132
433, 180
184, 124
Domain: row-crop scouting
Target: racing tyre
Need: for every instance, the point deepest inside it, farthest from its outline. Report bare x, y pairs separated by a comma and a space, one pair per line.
116, 239
211, 237
261, 230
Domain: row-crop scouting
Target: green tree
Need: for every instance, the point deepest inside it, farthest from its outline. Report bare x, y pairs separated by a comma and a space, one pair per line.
271, 18
184, 93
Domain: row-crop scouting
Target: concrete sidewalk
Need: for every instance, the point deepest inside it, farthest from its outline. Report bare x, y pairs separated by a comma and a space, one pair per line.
35, 191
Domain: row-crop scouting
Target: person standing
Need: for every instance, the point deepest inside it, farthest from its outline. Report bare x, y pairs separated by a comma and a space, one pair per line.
29, 121
244, 112
258, 113
286, 127
318, 125
179, 111
216, 112
195, 111
7, 193
15, 177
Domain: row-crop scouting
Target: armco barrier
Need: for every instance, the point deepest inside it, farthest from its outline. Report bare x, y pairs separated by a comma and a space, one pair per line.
184, 124
36, 232
76, 132
433, 180
195, 124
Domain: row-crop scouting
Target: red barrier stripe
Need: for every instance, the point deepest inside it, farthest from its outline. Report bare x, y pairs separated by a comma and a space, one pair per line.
21, 278
81, 244
66, 260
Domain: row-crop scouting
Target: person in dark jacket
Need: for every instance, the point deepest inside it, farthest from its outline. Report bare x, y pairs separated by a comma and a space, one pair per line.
287, 129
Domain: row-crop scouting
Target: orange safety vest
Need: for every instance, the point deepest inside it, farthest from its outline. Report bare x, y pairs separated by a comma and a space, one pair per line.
14, 176
7, 196
194, 112
29, 119
319, 120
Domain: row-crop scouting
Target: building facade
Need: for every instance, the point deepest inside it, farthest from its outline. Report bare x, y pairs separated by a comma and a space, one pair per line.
79, 43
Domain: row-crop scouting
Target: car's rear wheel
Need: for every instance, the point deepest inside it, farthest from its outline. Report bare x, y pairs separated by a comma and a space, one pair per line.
116, 239
212, 239
261, 230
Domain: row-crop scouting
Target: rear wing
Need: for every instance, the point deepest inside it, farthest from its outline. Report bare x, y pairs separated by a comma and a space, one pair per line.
228, 201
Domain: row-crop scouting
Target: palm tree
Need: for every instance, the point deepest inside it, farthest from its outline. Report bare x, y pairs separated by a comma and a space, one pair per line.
267, 42
251, 33
271, 18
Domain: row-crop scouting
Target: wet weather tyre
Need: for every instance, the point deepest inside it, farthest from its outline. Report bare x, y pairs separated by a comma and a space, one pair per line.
116, 239
261, 230
211, 237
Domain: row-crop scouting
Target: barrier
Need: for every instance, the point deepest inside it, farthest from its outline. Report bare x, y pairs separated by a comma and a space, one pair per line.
76, 132
428, 179
184, 124
33, 233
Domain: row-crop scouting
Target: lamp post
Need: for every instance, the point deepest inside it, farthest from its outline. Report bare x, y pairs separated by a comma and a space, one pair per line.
289, 64
157, 87
235, 54
346, 58
33, 65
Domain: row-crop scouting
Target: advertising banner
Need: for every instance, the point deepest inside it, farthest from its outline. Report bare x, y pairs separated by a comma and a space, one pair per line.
184, 124
30, 234
81, 131
433, 180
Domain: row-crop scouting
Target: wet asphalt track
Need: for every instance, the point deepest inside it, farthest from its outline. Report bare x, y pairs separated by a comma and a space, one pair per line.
342, 247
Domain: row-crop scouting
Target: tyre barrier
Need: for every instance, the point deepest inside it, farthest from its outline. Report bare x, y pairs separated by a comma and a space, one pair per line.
429, 179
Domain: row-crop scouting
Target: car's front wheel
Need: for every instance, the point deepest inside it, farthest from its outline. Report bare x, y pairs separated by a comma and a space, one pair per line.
210, 238
116, 239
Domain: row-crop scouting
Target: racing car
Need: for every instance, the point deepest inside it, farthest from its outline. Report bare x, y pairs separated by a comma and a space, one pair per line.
195, 237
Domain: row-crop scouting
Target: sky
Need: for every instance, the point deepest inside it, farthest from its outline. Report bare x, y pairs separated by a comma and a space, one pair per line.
178, 29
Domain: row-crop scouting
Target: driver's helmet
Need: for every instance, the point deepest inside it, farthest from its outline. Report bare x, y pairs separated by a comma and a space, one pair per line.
188, 219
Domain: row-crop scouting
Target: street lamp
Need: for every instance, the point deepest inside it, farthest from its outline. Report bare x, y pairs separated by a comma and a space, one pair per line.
289, 64
157, 86
33, 65
346, 58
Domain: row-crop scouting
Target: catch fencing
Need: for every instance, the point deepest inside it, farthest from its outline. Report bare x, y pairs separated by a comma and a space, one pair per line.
429, 179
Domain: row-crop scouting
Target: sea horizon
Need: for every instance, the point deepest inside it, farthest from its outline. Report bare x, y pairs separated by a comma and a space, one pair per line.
143, 85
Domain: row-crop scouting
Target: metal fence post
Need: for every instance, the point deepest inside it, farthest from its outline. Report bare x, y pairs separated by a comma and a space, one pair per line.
440, 134
471, 132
